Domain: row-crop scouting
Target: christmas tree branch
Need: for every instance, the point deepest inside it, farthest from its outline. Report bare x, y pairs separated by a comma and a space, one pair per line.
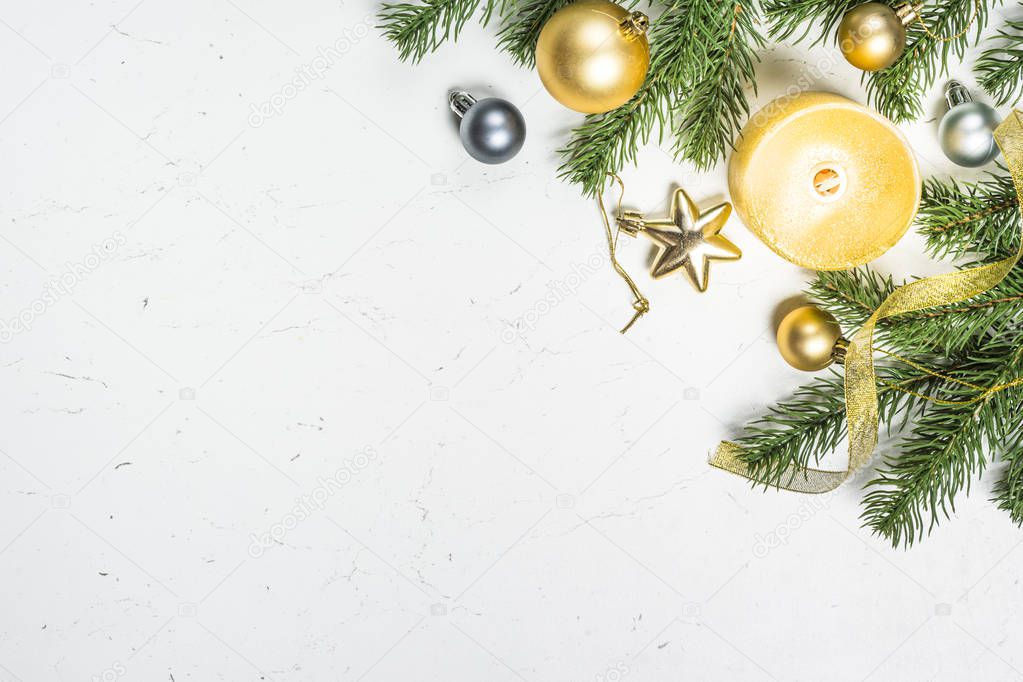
521, 29
1009, 490
712, 111
940, 458
799, 431
702, 58
999, 69
796, 19
960, 218
418, 29
945, 450
852, 296
898, 90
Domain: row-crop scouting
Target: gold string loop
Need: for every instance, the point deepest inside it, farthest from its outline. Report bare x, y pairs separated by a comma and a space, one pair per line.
982, 392
945, 39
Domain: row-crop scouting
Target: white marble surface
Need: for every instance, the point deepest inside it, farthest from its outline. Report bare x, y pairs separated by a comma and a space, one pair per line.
248, 305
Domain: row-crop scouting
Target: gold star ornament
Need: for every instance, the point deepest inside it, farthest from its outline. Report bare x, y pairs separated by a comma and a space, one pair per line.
686, 240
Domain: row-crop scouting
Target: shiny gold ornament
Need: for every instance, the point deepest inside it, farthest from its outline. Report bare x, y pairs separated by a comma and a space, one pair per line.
872, 36
824, 182
810, 339
592, 55
686, 240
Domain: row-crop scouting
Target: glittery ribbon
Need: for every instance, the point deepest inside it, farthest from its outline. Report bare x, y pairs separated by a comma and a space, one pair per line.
860, 380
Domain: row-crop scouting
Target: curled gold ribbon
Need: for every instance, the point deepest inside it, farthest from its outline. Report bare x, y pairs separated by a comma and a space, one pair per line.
860, 380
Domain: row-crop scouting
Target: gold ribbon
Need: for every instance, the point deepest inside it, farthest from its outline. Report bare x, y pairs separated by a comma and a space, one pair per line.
860, 380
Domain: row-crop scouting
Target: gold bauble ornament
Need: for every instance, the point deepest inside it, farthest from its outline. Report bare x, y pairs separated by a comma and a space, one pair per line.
592, 55
810, 339
824, 182
872, 36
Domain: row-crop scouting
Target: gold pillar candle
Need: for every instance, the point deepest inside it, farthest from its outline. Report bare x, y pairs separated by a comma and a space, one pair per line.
824, 182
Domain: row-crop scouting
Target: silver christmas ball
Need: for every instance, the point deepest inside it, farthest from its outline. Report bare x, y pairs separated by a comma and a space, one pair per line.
492, 130
966, 131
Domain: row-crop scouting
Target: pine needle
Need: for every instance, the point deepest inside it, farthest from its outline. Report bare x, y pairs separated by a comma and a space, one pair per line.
999, 69
702, 59
710, 115
419, 29
521, 29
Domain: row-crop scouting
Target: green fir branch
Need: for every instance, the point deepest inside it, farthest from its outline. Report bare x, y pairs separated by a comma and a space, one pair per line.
710, 115
942, 456
897, 92
946, 448
962, 218
521, 29
702, 58
797, 432
1009, 489
853, 295
419, 29
999, 69
850, 295
796, 20
605, 143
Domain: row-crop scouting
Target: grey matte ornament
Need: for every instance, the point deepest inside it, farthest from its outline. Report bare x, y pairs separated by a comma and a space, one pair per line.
966, 131
492, 130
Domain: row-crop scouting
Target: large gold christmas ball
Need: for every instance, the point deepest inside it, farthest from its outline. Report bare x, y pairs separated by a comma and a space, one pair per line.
593, 55
872, 36
807, 338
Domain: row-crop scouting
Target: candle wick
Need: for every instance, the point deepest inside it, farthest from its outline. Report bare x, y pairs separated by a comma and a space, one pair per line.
827, 181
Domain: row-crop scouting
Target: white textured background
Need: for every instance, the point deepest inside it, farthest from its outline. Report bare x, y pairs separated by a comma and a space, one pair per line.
335, 287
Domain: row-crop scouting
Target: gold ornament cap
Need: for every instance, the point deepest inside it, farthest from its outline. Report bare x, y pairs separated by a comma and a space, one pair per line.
810, 339
872, 36
827, 184
593, 55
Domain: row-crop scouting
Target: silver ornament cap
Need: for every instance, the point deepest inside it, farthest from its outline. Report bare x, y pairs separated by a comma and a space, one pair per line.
967, 131
492, 130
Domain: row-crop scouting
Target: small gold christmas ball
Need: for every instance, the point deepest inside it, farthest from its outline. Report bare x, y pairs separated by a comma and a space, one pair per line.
592, 55
872, 36
807, 338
